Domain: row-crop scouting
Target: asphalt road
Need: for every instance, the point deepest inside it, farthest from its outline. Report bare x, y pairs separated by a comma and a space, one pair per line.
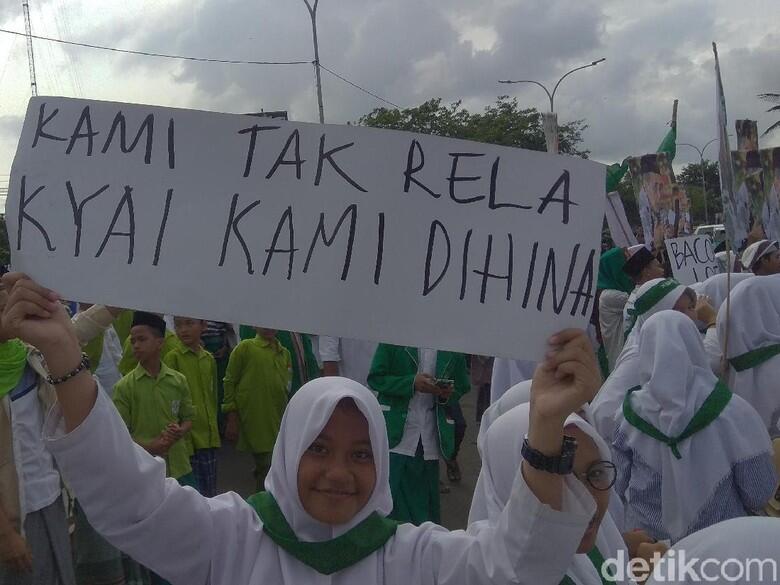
234, 471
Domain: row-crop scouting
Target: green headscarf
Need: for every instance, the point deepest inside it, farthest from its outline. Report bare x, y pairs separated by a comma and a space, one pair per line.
611, 275
13, 359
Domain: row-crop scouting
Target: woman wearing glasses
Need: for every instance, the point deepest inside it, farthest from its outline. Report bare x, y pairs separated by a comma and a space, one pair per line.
592, 466
689, 453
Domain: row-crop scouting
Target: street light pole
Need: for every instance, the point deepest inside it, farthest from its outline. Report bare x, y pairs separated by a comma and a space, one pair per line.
551, 94
313, 15
703, 181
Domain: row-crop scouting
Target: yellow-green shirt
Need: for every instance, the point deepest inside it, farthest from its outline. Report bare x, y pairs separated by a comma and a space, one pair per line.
148, 405
128, 361
256, 383
200, 369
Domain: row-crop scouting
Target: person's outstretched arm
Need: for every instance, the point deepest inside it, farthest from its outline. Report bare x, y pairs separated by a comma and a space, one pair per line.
173, 530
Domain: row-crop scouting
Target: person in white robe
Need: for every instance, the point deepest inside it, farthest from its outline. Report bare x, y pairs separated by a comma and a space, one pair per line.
323, 528
593, 467
715, 290
349, 358
507, 373
689, 453
742, 551
655, 295
753, 351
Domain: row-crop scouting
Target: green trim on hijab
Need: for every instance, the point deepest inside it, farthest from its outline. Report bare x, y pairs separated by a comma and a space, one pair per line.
13, 360
329, 556
611, 275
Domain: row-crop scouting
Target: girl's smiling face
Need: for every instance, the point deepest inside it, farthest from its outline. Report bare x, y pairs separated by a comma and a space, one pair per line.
336, 474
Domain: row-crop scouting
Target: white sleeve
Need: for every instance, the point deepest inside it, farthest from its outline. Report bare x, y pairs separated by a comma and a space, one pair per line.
173, 530
499, 379
713, 349
530, 543
329, 348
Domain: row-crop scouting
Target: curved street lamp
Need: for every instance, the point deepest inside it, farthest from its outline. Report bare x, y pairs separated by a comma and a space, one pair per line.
551, 95
703, 181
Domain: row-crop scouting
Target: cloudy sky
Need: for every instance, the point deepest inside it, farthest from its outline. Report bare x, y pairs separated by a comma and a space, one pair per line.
409, 51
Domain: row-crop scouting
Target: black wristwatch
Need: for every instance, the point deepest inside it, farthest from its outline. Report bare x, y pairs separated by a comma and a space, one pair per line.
561, 464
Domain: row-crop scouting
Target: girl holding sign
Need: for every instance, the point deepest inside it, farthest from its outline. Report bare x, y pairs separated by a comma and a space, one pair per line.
323, 518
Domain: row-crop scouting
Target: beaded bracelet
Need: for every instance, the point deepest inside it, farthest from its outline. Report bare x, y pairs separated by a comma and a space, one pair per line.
83, 365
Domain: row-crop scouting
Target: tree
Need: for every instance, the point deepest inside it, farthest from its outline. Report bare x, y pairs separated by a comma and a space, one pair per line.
773, 98
5, 250
503, 123
690, 176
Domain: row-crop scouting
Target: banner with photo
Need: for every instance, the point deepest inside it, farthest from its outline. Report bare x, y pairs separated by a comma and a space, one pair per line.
664, 208
770, 165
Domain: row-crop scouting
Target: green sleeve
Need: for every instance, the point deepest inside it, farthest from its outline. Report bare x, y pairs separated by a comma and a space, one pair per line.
311, 360
122, 403
186, 408
384, 375
461, 376
128, 361
170, 360
232, 377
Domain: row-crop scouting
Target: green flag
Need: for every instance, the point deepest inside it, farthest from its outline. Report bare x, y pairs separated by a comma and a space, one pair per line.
669, 144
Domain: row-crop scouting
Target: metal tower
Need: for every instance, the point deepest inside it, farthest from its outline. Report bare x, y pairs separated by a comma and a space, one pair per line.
30, 54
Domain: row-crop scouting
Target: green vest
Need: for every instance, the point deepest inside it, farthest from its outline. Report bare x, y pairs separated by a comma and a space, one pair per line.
392, 378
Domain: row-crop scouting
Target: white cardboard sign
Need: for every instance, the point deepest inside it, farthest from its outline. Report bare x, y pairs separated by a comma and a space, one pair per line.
619, 228
339, 230
692, 258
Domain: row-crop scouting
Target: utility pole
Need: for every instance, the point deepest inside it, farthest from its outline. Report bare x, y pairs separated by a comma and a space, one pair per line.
30, 55
313, 15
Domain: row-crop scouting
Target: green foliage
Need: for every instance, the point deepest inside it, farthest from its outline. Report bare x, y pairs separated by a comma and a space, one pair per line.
503, 123
690, 176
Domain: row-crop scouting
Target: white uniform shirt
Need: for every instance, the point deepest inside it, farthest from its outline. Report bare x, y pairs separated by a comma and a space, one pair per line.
35, 466
353, 355
421, 416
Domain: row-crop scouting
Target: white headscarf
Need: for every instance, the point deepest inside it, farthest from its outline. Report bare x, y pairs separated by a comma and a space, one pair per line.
676, 379
716, 288
606, 405
739, 541
755, 323
517, 394
501, 459
306, 415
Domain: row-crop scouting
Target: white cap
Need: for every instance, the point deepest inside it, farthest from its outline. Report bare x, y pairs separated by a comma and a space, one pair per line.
754, 252
634, 249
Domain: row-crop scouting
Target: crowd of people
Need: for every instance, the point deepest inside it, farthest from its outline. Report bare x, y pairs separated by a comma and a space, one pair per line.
653, 429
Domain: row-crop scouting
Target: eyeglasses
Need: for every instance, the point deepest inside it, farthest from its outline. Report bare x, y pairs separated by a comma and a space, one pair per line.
601, 475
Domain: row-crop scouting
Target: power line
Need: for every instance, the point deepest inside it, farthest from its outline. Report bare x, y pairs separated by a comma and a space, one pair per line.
150, 54
355, 85
200, 59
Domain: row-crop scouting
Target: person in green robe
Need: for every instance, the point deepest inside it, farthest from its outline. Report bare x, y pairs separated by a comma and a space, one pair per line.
304, 363
257, 382
414, 387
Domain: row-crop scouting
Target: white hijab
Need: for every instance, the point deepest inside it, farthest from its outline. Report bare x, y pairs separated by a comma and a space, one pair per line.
306, 415
740, 539
676, 379
517, 394
501, 459
716, 286
755, 323
606, 405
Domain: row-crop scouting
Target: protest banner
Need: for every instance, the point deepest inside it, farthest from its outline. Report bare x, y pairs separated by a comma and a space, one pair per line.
341, 230
619, 228
663, 205
692, 258
749, 188
770, 163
